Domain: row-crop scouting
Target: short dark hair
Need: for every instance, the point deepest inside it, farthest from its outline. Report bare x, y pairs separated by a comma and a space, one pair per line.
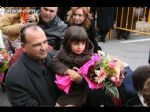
140, 75
75, 34
146, 92
22, 31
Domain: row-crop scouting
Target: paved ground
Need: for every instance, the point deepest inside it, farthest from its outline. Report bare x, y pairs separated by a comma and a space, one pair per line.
133, 51
3, 99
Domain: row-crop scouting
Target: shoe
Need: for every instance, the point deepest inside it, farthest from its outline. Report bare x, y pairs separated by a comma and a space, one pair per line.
126, 37
103, 40
118, 37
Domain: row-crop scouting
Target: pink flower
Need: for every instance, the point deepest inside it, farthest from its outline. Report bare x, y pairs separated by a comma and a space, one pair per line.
101, 75
115, 80
111, 65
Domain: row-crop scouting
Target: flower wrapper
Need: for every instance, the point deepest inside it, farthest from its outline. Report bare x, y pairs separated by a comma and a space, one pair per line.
84, 70
64, 82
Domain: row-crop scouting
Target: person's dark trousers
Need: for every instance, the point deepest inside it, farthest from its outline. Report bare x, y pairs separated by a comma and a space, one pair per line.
149, 58
96, 46
119, 32
103, 34
122, 34
125, 35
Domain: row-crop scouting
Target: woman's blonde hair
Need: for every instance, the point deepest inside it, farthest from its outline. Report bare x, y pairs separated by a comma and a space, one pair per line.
86, 10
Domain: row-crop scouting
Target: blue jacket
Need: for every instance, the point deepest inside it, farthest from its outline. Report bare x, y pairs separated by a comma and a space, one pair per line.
128, 83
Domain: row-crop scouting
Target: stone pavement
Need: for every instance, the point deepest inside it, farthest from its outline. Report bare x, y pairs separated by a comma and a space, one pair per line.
133, 51
3, 99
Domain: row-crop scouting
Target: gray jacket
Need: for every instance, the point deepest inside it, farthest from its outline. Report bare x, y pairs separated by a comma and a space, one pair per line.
55, 31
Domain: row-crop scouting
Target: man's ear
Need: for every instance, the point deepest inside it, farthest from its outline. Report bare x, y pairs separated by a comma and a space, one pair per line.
23, 46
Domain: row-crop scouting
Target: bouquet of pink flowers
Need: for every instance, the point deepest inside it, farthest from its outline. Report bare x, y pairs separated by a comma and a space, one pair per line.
106, 71
102, 71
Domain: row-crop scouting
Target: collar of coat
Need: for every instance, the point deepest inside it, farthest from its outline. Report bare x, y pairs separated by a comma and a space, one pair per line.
56, 27
35, 66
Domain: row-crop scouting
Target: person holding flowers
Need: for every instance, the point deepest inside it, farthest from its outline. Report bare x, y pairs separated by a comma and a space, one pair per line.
76, 50
101, 72
12, 21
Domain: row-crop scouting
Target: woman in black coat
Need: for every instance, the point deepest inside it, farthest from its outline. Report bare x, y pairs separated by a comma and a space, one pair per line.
105, 20
149, 58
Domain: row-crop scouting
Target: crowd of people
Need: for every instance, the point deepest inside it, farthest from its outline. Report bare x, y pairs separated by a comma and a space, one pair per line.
48, 45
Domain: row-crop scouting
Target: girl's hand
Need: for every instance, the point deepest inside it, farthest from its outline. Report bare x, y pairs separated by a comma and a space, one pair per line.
74, 76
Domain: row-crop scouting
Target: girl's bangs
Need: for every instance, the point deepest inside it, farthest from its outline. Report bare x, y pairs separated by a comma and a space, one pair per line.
79, 38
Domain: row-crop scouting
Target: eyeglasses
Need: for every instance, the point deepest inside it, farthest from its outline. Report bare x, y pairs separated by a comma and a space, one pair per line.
122, 74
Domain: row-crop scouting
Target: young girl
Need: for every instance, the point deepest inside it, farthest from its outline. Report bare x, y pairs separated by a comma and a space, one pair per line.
76, 50
81, 16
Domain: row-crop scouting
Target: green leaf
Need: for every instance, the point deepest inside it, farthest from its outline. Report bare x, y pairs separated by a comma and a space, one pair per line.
110, 89
4, 67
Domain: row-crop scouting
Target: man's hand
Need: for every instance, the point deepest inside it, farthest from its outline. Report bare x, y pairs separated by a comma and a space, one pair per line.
22, 24
31, 18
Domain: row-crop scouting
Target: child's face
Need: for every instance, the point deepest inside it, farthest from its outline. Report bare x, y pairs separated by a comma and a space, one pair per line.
78, 47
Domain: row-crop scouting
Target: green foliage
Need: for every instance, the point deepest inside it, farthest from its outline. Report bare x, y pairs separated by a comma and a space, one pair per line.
111, 89
4, 67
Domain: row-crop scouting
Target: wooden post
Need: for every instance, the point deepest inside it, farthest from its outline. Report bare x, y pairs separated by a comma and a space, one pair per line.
149, 16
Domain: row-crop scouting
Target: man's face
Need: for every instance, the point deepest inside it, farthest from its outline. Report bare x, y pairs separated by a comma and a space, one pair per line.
121, 65
36, 46
121, 78
48, 13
